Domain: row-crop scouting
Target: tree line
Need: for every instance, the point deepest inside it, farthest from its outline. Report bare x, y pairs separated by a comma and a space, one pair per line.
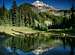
25, 16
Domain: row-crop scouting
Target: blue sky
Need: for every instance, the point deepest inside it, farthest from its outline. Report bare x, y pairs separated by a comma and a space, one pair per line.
60, 4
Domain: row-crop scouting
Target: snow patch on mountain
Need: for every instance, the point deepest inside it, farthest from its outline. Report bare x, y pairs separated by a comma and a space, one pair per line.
42, 5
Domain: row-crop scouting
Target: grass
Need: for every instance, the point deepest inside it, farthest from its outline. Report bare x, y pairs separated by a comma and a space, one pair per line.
68, 31
10, 29
17, 30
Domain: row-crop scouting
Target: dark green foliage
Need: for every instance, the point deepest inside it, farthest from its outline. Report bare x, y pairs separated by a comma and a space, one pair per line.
25, 16
72, 20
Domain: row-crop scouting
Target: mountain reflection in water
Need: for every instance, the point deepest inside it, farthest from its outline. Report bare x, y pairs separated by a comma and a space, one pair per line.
58, 51
50, 51
10, 51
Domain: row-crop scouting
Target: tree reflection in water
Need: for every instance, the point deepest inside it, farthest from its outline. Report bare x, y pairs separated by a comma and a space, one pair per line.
29, 42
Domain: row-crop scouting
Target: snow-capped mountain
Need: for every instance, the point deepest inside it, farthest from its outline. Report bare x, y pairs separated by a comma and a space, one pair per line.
42, 5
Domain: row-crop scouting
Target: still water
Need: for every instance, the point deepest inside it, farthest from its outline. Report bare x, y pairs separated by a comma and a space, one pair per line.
54, 51
32, 44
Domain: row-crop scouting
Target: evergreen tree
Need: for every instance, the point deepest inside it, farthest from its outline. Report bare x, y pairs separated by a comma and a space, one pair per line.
72, 20
14, 13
